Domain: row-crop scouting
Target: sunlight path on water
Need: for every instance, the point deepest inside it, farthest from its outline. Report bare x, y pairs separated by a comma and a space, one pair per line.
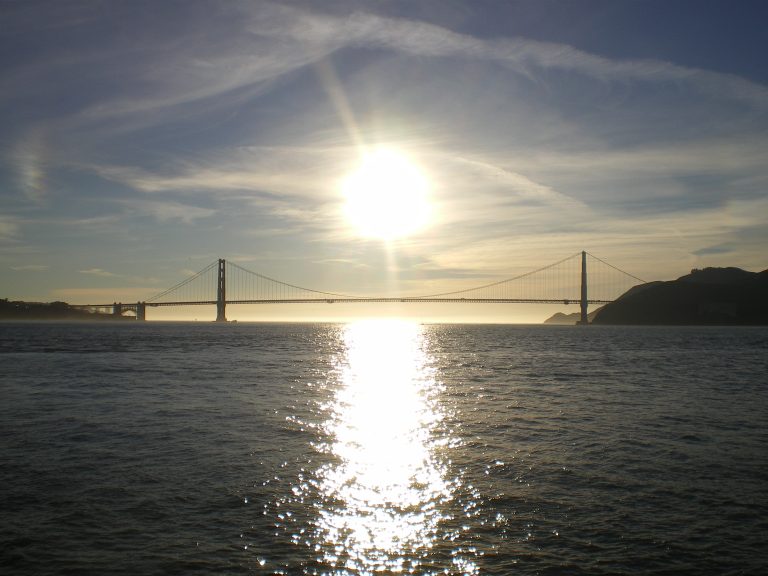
385, 495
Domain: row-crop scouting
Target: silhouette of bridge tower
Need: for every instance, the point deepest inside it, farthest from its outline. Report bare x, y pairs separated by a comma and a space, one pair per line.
221, 292
584, 303
563, 282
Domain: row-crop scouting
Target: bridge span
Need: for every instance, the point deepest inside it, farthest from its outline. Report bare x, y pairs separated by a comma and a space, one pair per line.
563, 282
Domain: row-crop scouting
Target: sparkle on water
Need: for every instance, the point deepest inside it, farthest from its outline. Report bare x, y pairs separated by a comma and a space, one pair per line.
382, 499
531, 450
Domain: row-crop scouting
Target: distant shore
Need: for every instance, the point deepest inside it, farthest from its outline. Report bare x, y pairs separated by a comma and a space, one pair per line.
20, 310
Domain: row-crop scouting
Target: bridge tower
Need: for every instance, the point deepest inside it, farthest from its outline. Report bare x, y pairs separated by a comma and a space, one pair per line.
584, 321
221, 292
117, 309
141, 311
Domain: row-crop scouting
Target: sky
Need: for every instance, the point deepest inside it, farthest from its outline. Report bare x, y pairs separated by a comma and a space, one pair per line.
142, 140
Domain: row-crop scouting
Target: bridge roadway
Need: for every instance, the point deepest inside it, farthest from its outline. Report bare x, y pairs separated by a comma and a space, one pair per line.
356, 300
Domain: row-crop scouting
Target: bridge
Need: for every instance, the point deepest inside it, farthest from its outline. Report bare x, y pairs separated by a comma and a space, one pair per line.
223, 283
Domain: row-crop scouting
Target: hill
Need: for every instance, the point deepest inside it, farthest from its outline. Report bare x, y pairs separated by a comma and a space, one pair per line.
562, 319
18, 310
709, 296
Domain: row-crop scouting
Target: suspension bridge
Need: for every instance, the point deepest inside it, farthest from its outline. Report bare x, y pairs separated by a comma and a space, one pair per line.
581, 278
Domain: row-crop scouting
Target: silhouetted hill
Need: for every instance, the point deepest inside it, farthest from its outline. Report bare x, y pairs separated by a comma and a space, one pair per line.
571, 319
18, 310
708, 296
731, 275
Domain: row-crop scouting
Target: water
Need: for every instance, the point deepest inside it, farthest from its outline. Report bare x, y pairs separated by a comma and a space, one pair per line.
382, 448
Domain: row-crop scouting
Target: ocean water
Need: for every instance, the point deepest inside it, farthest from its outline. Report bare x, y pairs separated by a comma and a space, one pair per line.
382, 447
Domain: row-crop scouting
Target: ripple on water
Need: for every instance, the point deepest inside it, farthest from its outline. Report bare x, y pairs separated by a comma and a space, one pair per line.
335, 449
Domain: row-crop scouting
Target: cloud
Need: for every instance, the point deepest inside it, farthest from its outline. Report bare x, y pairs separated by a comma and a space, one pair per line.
634, 242
300, 185
279, 39
104, 223
327, 33
655, 178
344, 262
30, 157
164, 211
9, 228
26, 16
293, 186
212, 60
264, 170
721, 249
99, 272
515, 186
30, 268
734, 154
259, 43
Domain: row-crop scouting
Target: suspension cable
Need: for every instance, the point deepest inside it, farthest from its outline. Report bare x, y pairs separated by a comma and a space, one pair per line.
287, 285
617, 269
182, 283
282, 286
500, 281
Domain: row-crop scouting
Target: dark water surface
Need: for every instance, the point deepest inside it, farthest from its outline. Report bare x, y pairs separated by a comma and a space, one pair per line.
154, 448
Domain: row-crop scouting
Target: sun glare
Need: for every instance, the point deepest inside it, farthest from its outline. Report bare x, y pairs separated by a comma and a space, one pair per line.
385, 493
387, 196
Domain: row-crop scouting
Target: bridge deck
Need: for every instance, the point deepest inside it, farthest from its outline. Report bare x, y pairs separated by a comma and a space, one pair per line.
356, 301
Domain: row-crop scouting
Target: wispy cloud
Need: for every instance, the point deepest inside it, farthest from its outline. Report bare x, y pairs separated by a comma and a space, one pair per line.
724, 154
343, 262
265, 41
30, 268
9, 228
721, 249
30, 156
266, 170
169, 210
99, 272
325, 33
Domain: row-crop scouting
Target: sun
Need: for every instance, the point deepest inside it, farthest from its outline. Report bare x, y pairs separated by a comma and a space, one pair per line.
387, 196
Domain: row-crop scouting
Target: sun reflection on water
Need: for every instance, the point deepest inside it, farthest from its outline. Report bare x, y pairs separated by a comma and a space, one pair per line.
382, 499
